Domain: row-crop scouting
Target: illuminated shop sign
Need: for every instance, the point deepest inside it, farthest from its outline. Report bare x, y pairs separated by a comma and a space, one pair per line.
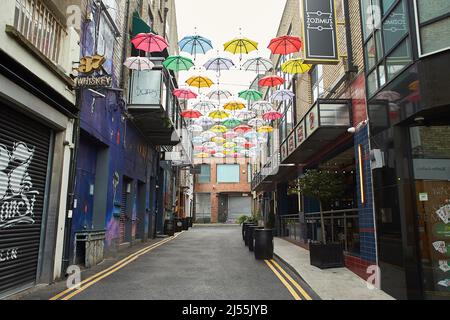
319, 31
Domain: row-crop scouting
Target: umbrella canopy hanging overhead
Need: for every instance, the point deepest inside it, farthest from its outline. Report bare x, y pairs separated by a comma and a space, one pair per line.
219, 64
262, 106
219, 155
202, 155
240, 46
230, 135
272, 115
218, 140
251, 95
234, 106
239, 140
256, 122
295, 66
282, 95
139, 63
195, 128
178, 63
204, 106
184, 94
204, 122
271, 81
219, 95
209, 145
231, 123
219, 129
208, 135
265, 129
242, 129
260, 65
251, 134
229, 145
149, 42
219, 114
197, 140
195, 45
191, 114
285, 45
246, 115
199, 82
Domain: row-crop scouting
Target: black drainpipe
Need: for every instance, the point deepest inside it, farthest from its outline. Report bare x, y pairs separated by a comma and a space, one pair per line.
125, 42
350, 66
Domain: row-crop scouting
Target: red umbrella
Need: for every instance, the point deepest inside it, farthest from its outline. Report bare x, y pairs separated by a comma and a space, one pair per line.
271, 81
242, 129
285, 45
184, 94
272, 115
191, 114
149, 42
249, 145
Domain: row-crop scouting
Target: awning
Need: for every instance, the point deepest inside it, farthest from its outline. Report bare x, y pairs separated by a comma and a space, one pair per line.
325, 122
140, 26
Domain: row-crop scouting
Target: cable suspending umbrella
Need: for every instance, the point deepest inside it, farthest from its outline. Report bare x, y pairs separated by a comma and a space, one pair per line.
295, 66
139, 63
285, 45
178, 63
149, 42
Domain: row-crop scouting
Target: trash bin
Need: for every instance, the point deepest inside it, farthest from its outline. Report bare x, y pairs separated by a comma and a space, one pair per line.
178, 224
169, 228
263, 244
243, 229
251, 236
185, 223
246, 232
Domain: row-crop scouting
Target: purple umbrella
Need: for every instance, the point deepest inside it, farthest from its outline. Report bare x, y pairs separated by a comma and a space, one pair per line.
219, 64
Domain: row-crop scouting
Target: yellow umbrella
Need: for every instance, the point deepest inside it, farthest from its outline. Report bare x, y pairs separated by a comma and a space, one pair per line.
228, 151
199, 82
230, 145
202, 155
295, 66
240, 46
219, 129
234, 106
265, 129
218, 140
219, 114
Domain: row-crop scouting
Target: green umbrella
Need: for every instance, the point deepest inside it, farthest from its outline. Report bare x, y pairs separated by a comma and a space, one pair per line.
251, 95
231, 123
177, 63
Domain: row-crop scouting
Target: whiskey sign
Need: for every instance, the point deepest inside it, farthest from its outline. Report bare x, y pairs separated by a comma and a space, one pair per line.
89, 65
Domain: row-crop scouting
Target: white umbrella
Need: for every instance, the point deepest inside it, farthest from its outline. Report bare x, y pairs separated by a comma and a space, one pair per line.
208, 135
218, 155
282, 95
239, 140
139, 63
195, 128
204, 121
246, 115
219, 95
256, 122
204, 106
262, 106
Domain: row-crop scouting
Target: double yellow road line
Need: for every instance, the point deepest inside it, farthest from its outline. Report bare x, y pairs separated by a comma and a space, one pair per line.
70, 293
294, 288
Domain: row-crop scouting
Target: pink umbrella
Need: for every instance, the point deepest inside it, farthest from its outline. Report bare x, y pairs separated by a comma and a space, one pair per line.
149, 42
230, 135
272, 115
184, 94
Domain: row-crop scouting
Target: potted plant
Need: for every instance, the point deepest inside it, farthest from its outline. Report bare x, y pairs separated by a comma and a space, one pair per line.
324, 186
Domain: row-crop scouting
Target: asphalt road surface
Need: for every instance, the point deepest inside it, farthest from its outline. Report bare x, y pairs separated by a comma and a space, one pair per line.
204, 263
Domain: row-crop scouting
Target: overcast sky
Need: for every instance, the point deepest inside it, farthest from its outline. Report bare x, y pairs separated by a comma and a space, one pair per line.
220, 21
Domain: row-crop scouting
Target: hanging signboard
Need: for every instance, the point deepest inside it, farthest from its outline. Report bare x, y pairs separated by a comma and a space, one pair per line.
87, 66
319, 31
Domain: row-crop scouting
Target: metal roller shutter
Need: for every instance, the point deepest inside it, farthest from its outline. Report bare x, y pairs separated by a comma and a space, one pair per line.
24, 154
239, 206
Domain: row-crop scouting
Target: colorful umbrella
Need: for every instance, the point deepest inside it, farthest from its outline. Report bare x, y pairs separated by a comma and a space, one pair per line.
178, 63
199, 148
219, 155
251, 95
204, 121
184, 94
271, 81
218, 140
285, 45
195, 45
295, 66
149, 42
231, 123
218, 129
204, 106
209, 145
256, 122
234, 106
219, 64
229, 145
272, 115
195, 128
219, 114
265, 129
260, 65
199, 82
197, 140
239, 140
230, 135
249, 145
282, 95
240, 46
246, 115
219, 94
262, 106
191, 114
202, 155
139, 63
251, 135
242, 129
208, 135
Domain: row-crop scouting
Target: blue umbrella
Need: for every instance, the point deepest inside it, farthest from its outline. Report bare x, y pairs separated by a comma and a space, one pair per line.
195, 45
219, 64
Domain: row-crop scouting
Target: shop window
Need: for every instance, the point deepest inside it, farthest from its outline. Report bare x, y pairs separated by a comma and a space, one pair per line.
317, 80
395, 27
228, 173
205, 174
249, 173
370, 52
429, 10
398, 59
372, 82
387, 4
145, 88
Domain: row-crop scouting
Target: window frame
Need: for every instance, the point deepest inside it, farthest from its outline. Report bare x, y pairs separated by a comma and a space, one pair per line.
229, 165
200, 175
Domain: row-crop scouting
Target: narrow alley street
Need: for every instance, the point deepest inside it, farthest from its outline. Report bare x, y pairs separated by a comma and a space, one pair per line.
204, 263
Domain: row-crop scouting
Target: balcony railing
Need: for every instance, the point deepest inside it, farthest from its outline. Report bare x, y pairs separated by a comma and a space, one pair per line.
270, 168
37, 23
